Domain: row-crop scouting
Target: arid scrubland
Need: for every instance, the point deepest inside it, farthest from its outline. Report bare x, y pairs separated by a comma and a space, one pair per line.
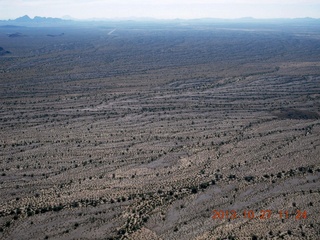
144, 132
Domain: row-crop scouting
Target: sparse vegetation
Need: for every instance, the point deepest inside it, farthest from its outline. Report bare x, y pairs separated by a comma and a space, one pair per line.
146, 131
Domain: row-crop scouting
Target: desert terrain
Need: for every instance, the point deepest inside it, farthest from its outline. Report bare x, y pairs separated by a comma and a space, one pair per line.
167, 130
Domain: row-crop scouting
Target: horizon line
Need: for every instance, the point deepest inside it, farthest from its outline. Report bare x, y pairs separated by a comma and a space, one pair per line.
70, 18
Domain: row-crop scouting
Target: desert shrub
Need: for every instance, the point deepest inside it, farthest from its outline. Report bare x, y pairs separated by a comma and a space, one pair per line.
194, 190
204, 185
231, 176
122, 232
249, 178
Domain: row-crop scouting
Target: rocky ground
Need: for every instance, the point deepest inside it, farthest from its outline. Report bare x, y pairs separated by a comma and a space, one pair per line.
160, 134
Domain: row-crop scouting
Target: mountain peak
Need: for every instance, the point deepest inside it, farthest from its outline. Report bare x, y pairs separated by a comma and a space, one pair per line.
24, 18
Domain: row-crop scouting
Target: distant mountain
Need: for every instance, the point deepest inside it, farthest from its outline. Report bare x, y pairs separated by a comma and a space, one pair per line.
10, 26
48, 20
36, 21
3, 52
68, 17
15, 35
25, 18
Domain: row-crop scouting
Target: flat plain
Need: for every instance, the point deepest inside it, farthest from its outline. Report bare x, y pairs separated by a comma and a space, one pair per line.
152, 130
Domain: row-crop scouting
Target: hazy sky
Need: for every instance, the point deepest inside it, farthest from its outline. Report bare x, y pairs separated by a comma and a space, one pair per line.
82, 9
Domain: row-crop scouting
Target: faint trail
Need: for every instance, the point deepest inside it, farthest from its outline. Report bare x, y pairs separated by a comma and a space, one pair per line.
111, 31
